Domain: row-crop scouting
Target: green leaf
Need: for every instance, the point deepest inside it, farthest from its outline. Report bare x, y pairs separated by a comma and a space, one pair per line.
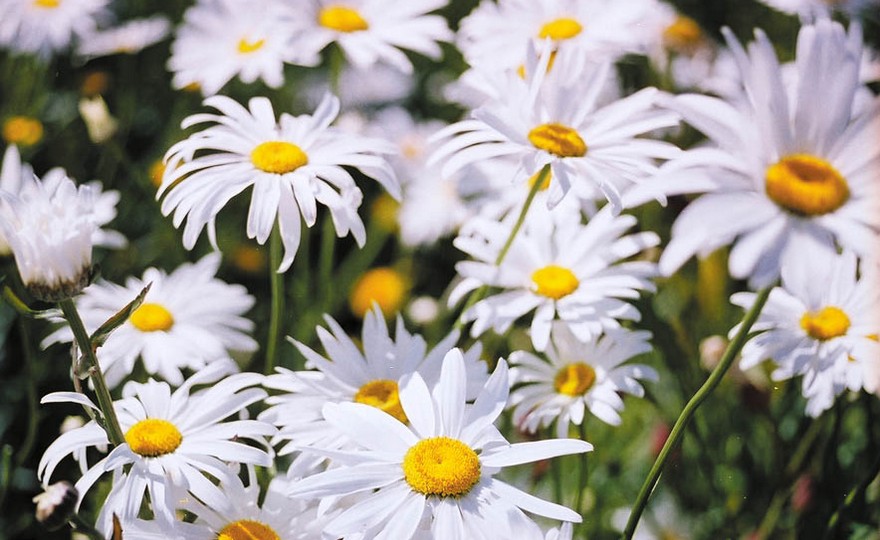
18, 305
103, 332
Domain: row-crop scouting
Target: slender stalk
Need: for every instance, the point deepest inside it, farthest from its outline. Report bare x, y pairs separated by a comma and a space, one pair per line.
854, 494
733, 348
584, 475
478, 294
33, 411
105, 402
325, 259
276, 281
83, 527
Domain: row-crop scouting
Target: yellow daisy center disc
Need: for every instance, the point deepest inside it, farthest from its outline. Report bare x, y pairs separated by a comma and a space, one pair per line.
384, 395
48, 4
574, 379
385, 286
559, 29
683, 35
827, 323
151, 318
342, 19
441, 466
22, 130
247, 47
153, 437
534, 178
278, 157
555, 281
557, 139
806, 185
247, 529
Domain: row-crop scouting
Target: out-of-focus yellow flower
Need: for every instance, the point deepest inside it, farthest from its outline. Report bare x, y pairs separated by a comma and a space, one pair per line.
683, 35
250, 259
22, 130
712, 281
384, 212
157, 170
95, 84
383, 285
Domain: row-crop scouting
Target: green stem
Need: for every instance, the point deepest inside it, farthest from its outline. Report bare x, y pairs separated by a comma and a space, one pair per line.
83, 527
325, 259
33, 411
105, 402
478, 294
854, 494
584, 475
687, 413
276, 281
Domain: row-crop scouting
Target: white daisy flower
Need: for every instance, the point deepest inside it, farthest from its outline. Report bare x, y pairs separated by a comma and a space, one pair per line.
792, 177
371, 31
370, 376
173, 440
189, 318
809, 9
537, 122
559, 268
222, 39
127, 38
292, 163
498, 33
440, 468
13, 174
576, 377
46, 26
49, 227
822, 323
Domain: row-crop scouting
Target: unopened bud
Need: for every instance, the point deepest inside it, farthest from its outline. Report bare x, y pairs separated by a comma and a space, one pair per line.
56, 505
711, 350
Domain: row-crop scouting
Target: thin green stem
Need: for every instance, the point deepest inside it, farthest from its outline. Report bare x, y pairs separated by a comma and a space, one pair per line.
325, 259
584, 474
105, 402
33, 411
83, 527
854, 494
733, 349
478, 294
276, 281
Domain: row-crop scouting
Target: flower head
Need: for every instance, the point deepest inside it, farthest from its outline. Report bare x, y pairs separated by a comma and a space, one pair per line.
127, 38
47, 26
292, 163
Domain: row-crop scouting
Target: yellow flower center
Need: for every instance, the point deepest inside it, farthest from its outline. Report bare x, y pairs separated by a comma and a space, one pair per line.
555, 281
384, 212
342, 19
22, 130
157, 171
560, 29
557, 139
574, 379
278, 157
247, 529
48, 4
384, 395
247, 47
153, 437
152, 318
385, 286
543, 186
441, 466
806, 185
683, 35
827, 323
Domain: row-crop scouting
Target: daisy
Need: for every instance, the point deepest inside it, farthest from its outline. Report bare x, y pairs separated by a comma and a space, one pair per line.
127, 38
537, 122
292, 163
13, 173
371, 31
809, 9
441, 468
222, 39
790, 178
577, 376
498, 33
49, 228
172, 441
189, 318
558, 268
370, 376
821, 323
46, 26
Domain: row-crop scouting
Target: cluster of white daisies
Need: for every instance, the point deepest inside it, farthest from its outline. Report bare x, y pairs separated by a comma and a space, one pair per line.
390, 439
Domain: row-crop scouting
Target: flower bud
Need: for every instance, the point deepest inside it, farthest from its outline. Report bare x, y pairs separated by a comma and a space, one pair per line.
56, 505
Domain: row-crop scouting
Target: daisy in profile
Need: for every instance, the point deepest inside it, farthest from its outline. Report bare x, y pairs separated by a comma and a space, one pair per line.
791, 173
558, 268
370, 376
370, 31
173, 441
536, 122
292, 163
439, 470
576, 377
498, 33
127, 38
44, 27
223, 39
821, 323
189, 318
